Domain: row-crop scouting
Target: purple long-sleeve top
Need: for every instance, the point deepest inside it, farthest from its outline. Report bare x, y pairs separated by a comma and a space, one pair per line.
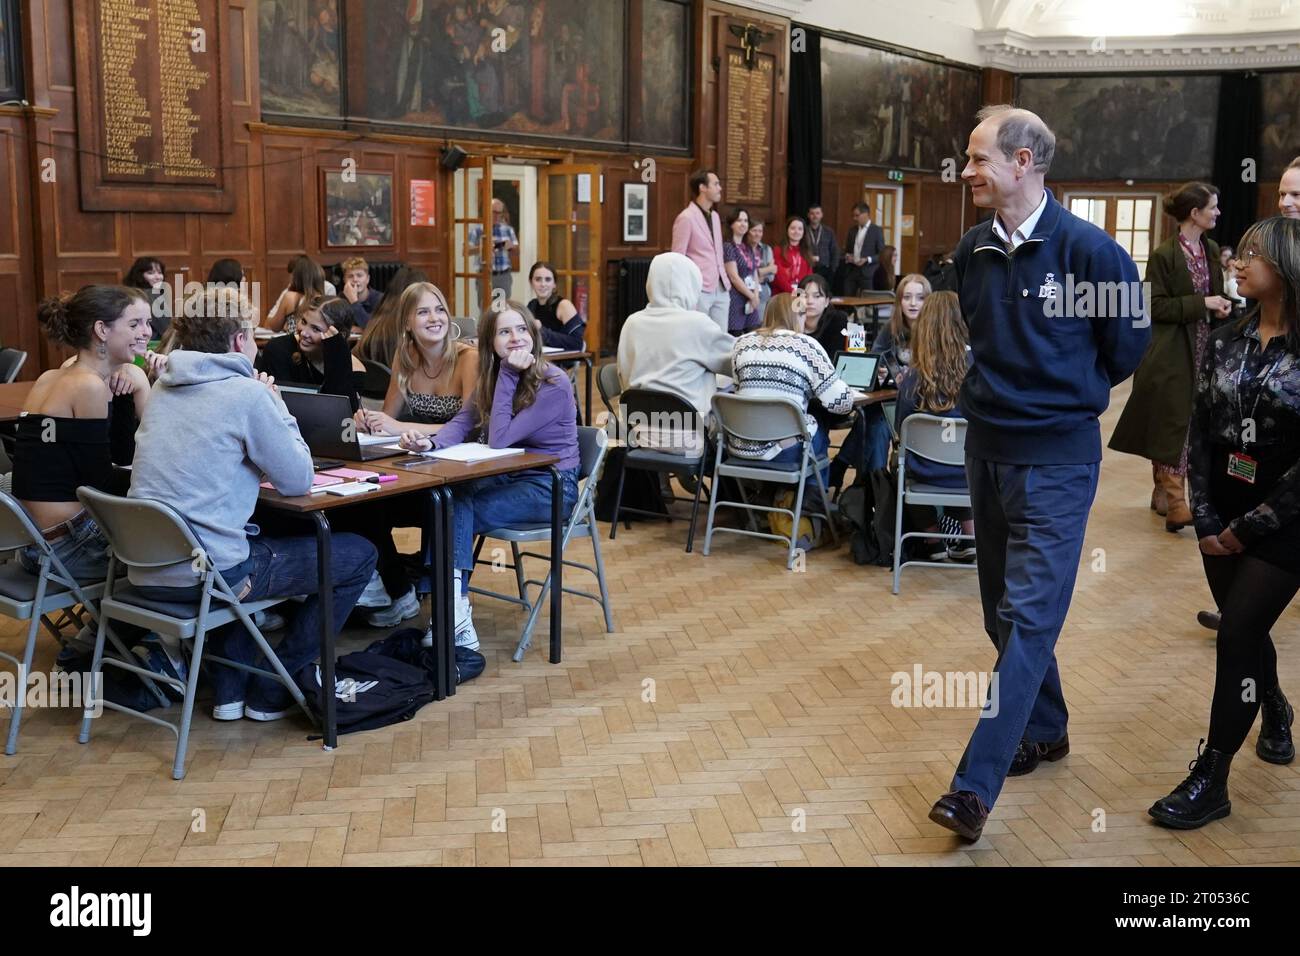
548, 426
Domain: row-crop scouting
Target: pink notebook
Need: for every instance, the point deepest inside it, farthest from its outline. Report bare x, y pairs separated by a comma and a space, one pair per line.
359, 475
317, 481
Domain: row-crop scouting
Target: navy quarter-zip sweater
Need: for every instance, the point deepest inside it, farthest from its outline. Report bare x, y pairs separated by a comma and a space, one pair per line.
1043, 369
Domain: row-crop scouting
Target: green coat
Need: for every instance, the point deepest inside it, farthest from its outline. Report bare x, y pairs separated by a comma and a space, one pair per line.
1154, 422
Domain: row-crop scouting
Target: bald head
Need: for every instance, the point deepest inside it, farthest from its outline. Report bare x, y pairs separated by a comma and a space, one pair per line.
1018, 129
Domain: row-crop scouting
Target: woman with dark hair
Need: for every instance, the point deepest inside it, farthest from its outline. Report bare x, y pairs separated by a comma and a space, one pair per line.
306, 278
226, 272
1186, 300
766, 270
79, 420
793, 257
821, 320
521, 401
741, 262
562, 326
383, 335
318, 353
1244, 475
149, 275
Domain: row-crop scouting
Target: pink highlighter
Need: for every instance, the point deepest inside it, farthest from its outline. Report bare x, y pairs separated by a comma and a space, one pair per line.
357, 475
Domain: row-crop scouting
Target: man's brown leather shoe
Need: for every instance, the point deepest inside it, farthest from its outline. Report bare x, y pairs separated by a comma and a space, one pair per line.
962, 812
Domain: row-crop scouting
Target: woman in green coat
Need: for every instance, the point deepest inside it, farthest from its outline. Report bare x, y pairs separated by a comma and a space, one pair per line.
1186, 300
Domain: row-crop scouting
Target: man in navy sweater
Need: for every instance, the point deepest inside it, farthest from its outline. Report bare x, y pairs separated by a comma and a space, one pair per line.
1057, 318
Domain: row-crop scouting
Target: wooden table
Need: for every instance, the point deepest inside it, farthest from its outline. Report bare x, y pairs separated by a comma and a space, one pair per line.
436, 478
871, 300
877, 397
12, 398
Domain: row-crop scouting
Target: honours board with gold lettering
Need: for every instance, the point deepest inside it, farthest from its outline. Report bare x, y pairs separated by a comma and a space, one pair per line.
152, 105
747, 147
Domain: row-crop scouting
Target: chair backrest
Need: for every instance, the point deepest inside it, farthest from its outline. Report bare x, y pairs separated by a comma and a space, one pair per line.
592, 445
16, 527
934, 437
657, 419
374, 383
11, 363
467, 324
755, 419
143, 533
609, 385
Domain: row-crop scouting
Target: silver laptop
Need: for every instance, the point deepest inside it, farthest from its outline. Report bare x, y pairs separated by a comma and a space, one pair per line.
326, 424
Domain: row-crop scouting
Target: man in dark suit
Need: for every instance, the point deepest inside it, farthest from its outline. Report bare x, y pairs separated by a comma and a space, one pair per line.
862, 251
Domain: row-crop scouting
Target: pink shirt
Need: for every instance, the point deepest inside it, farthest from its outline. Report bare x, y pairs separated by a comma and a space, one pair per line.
693, 238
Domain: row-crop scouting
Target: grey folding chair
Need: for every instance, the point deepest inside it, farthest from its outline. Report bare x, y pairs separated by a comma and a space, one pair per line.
11, 363
937, 439
467, 325
753, 419
149, 534
609, 385
31, 598
592, 445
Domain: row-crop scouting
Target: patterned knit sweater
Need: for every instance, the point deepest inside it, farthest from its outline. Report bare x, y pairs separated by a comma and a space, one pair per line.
790, 366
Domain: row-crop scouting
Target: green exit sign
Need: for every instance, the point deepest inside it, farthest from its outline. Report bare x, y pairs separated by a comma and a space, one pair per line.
895, 175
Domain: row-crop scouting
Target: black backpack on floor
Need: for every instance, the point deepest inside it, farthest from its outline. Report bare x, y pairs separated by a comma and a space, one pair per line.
386, 683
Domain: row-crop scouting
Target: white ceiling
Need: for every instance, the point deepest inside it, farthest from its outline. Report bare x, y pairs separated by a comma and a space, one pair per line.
1070, 35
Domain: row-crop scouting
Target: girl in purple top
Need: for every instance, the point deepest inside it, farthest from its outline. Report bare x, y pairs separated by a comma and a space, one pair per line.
521, 401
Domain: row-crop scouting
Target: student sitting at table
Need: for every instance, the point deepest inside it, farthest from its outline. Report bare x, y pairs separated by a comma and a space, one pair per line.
149, 275
893, 342
387, 328
356, 289
212, 430
318, 353
433, 379
779, 361
821, 320
931, 384
562, 326
306, 280
79, 420
521, 401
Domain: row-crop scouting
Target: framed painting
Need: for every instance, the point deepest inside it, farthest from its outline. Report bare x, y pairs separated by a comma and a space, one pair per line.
300, 57
1279, 142
358, 210
636, 207
1127, 127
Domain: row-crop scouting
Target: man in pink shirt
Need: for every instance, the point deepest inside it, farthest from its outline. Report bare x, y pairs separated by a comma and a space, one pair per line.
697, 234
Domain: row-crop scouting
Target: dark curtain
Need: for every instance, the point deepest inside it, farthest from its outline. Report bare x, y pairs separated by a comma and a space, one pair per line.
805, 145
1237, 138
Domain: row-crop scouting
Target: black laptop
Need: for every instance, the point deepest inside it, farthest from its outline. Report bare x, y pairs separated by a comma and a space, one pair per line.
326, 424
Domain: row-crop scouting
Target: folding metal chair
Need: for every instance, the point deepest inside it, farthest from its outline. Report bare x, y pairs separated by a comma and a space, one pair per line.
592, 445
28, 597
754, 419
609, 385
661, 416
149, 534
937, 439
11, 363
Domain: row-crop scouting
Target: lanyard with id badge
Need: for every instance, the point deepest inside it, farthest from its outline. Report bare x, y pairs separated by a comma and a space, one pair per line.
1242, 466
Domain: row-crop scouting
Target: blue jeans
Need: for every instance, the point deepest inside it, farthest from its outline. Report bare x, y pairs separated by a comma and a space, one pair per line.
281, 567
1029, 525
84, 552
878, 438
499, 502
821, 443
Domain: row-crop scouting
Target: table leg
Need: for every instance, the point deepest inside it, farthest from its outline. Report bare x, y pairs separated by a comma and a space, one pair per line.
557, 561
325, 592
442, 596
588, 360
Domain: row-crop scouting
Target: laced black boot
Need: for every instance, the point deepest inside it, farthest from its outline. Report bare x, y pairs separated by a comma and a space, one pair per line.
1276, 716
1202, 797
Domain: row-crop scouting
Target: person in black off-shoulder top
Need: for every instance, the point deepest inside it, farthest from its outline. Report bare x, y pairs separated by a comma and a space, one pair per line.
1244, 476
318, 353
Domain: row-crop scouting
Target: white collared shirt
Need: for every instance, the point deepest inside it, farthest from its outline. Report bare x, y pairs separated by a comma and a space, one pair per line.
1026, 228
859, 239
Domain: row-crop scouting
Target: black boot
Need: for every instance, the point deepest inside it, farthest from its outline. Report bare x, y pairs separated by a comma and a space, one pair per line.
1202, 797
1276, 716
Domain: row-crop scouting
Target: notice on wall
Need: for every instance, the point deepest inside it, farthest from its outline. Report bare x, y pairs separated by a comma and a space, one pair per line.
423, 202
747, 165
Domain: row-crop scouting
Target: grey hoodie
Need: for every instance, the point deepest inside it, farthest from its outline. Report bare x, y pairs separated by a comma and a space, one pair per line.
209, 433
669, 345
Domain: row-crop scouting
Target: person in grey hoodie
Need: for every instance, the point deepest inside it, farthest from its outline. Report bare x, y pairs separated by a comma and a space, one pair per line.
215, 428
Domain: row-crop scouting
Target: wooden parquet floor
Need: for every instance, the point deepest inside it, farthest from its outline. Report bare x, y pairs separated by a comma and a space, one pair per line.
770, 739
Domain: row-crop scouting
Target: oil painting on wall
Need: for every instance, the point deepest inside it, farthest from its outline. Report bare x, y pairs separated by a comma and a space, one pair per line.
299, 44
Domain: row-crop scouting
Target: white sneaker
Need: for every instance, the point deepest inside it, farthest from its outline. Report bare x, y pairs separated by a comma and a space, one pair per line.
269, 621
252, 714
466, 636
407, 606
374, 595
231, 711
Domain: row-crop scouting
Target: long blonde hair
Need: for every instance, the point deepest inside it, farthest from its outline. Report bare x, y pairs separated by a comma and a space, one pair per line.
408, 359
489, 363
939, 360
899, 330
780, 315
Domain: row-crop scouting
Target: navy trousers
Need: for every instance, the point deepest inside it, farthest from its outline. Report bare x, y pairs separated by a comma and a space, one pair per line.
1029, 525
